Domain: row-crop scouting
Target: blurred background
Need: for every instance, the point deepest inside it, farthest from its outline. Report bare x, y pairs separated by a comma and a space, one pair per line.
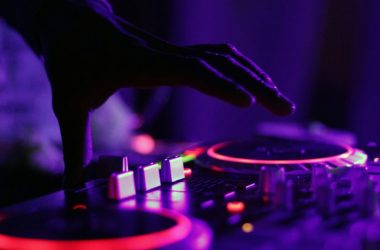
323, 54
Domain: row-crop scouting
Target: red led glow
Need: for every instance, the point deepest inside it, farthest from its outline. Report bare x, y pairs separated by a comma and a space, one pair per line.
147, 241
188, 172
265, 198
2, 217
212, 152
235, 207
217, 169
143, 144
79, 207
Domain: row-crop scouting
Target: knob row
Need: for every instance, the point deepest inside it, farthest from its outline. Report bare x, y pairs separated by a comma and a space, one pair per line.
325, 187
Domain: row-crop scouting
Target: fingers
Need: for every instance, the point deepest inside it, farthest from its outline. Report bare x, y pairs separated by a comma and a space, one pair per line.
76, 140
209, 81
248, 75
230, 50
264, 93
220, 70
172, 70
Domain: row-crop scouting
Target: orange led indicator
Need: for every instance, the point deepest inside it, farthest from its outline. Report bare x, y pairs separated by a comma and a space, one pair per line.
235, 207
187, 172
247, 227
195, 152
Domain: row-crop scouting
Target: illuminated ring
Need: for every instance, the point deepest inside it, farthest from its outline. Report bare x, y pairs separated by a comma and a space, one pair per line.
211, 152
148, 241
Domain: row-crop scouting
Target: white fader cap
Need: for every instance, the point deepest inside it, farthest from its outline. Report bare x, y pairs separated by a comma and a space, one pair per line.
172, 169
148, 177
121, 185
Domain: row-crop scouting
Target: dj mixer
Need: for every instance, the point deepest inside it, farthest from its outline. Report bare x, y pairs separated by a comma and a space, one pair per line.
260, 193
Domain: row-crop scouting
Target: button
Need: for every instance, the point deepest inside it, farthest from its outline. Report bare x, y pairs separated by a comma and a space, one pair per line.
172, 170
235, 207
250, 186
121, 185
111, 164
148, 177
207, 204
223, 190
229, 195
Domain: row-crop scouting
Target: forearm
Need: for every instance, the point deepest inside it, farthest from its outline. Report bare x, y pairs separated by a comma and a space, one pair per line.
21, 15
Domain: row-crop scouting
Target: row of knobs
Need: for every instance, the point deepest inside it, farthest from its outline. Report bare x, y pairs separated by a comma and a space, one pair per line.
361, 188
324, 187
126, 183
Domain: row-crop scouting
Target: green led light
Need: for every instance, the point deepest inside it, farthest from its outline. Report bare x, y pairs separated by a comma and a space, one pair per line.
187, 158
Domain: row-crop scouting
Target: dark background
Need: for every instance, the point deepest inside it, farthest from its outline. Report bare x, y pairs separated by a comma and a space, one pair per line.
322, 54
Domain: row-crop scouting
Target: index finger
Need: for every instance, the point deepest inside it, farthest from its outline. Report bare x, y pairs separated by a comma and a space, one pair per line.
265, 93
230, 50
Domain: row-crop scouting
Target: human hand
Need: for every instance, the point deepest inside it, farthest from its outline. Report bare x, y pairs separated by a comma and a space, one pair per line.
89, 53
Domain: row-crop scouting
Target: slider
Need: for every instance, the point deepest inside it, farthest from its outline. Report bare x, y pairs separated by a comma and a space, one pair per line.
172, 169
148, 177
121, 185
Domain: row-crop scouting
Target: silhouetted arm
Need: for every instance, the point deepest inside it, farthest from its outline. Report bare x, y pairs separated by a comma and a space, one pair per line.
89, 53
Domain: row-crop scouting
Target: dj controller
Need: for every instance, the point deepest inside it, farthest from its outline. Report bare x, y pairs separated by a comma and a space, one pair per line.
260, 193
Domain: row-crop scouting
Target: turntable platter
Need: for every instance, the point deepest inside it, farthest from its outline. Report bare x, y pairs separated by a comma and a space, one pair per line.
247, 156
95, 228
